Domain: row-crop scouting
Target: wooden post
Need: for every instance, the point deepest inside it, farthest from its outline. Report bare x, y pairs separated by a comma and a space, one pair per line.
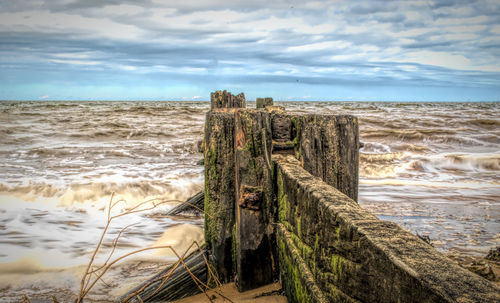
224, 99
263, 102
348, 141
219, 189
283, 131
255, 207
328, 147
240, 206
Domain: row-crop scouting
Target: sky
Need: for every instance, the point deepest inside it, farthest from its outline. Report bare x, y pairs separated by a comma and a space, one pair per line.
289, 50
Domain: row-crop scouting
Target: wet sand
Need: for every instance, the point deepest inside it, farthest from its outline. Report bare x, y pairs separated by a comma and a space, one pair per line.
488, 269
269, 293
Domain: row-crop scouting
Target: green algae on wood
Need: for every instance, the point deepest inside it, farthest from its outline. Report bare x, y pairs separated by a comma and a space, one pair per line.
255, 207
297, 281
328, 147
263, 102
224, 99
220, 189
355, 256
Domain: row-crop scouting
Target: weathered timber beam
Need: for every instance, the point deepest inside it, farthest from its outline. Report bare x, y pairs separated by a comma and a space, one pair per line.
193, 205
220, 189
328, 147
180, 283
263, 102
224, 99
255, 207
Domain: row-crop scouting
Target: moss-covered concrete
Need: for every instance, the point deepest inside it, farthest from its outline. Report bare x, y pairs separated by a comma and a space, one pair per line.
353, 256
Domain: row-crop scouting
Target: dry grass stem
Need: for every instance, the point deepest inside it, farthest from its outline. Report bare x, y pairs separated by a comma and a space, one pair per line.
93, 275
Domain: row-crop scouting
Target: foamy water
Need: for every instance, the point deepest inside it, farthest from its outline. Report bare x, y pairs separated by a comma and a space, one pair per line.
431, 167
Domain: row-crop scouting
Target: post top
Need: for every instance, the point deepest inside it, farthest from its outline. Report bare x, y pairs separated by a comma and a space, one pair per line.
224, 99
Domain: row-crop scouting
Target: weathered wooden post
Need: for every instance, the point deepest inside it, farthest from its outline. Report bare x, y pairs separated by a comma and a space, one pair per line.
263, 102
255, 207
224, 99
220, 179
239, 194
328, 147
240, 204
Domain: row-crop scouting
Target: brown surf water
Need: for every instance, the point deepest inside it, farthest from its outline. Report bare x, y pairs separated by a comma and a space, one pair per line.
431, 167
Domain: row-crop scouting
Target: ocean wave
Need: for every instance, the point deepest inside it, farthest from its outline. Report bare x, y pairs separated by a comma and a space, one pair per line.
97, 194
375, 148
431, 183
381, 148
377, 171
432, 166
381, 158
463, 162
484, 123
406, 134
122, 133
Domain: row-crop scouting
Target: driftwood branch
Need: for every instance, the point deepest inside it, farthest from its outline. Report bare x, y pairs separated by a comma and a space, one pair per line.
192, 205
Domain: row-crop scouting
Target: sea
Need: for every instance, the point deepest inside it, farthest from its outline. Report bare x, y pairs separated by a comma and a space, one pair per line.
431, 167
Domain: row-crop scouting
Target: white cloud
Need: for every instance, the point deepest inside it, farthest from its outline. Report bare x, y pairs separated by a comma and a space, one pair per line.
72, 55
75, 62
462, 21
460, 36
127, 67
319, 46
254, 39
47, 22
495, 29
441, 59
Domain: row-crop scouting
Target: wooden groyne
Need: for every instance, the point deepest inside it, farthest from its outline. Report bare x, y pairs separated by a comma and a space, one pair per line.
280, 203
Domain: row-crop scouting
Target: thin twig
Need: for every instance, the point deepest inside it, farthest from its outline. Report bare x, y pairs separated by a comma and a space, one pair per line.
165, 277
87, 283
114, 244
83, 284
170, 273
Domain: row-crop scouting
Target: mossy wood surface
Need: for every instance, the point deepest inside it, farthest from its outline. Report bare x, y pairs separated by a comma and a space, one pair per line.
328, 147
255, 208
263, 102
224, 99
220, 189
353, 256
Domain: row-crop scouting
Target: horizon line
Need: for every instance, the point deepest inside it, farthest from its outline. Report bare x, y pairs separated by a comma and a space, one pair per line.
293, 100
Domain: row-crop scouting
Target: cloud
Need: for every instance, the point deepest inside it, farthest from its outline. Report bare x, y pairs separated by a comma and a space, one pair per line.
202, 46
